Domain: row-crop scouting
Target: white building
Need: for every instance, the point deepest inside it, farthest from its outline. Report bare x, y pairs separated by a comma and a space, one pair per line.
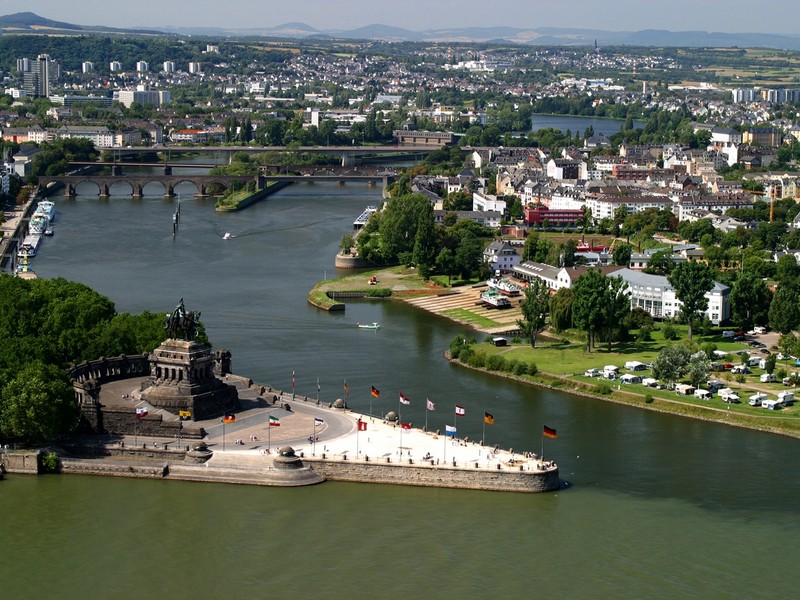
487, 203
142, 66
654, 294
115, 66
87, 67
500, 256
143, 95
168, 66
195, 68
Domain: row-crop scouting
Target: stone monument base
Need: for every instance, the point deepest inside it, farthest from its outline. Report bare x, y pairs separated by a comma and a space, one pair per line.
183, 380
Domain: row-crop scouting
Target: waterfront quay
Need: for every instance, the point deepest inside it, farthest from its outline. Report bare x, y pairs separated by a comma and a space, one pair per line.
311, 441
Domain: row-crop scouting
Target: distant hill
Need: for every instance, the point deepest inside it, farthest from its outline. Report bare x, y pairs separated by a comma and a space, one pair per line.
30, 23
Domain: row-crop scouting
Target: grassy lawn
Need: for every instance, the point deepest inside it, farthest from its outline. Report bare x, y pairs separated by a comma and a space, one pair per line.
465, 316
569, 360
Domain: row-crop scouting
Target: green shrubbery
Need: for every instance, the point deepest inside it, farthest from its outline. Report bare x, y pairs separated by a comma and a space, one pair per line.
463, 351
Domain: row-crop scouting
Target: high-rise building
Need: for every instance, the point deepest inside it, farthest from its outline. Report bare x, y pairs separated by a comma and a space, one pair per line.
195, 67
87, 67
24, 65
115, 67
169, 66
38, 80
142, 66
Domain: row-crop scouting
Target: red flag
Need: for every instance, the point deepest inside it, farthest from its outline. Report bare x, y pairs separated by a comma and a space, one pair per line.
404, 399
548, 432
141, 412
429, 405
460, 410
362, 425
375, 392
405, 425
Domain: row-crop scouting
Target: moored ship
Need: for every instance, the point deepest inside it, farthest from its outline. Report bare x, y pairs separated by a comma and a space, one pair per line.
494, 299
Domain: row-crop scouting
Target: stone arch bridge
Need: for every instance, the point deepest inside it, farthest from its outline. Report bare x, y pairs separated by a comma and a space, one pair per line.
136, 183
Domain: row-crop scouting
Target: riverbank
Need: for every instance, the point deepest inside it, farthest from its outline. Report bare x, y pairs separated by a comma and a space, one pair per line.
459, 305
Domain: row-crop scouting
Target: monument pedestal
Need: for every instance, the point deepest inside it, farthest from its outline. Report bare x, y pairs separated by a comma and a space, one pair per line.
183, 379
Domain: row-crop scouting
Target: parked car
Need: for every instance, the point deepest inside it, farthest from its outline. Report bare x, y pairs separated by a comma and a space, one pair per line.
764, 351
592, 373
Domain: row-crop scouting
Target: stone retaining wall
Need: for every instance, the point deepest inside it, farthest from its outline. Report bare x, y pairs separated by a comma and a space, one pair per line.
107, 469
435, 476
29, 462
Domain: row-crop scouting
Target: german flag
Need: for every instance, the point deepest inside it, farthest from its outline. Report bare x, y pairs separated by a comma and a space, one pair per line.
184, 413
547, 432
487, 418
375, 392
229, 419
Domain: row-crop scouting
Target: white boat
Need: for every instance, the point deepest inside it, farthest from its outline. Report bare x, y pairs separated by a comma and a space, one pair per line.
47, 209
29, 246
504, 286
227, 236
49, 231
368, 325
494, 299
38, 224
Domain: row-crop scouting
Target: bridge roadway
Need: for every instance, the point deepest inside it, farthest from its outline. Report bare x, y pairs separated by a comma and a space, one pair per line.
202, 183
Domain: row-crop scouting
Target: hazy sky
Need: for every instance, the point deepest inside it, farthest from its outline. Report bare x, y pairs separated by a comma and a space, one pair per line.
776, 16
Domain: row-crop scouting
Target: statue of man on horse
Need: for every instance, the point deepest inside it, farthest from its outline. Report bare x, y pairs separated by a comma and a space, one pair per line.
180, 324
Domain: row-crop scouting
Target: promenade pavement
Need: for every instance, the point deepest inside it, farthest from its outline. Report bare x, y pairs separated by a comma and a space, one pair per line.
318, 430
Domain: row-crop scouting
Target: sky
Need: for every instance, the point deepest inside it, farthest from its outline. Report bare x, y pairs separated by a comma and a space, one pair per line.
730, 16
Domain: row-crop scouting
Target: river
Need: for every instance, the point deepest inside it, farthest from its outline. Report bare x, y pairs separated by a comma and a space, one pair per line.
577, 124
654, 505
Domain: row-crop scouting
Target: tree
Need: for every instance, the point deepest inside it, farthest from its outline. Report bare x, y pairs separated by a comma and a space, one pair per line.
660, 263
769, 363
425, 247
784, 312
346, 244
615, 307
38, 403
787, 270
587, 308
670, 364
534, 307
749, 301
561, 309
446, 263
691, 281
697, 368
622, 255
469, 256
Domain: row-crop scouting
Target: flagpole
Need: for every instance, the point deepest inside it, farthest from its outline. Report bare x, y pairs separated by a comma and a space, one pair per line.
426, 414
541, 456
483, 434
317, 389
223, 434
313, 436
358, 430
269, 433
400, 420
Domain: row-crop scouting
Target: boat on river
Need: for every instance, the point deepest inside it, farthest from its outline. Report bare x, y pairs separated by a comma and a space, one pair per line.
29, 246
368, 325
227, 236
47, 209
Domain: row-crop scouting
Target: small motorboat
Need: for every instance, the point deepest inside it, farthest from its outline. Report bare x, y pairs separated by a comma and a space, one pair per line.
227, 236
368, 325
48, 231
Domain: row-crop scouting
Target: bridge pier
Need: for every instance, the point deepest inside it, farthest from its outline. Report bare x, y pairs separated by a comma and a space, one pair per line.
169, 191
104, 193
116, 170
137, 191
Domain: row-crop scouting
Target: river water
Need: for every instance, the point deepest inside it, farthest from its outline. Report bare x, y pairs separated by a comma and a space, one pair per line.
653, 505
576, 124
